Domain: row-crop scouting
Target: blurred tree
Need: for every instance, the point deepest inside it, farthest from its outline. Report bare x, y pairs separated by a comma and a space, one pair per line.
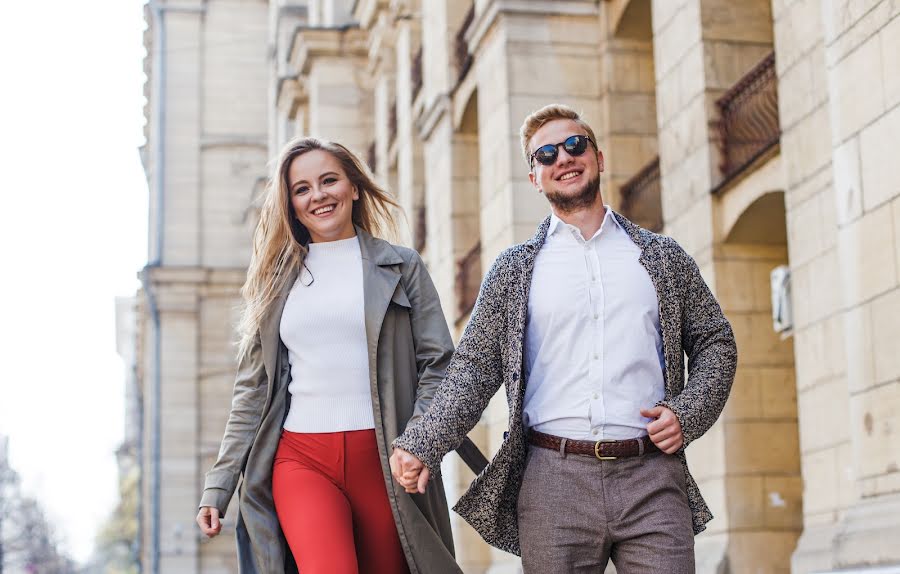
28, 544
114, 549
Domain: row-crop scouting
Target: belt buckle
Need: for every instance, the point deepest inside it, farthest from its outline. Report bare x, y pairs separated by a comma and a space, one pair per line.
597, 450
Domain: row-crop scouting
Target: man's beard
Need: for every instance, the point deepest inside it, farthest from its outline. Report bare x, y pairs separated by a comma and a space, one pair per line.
584, 198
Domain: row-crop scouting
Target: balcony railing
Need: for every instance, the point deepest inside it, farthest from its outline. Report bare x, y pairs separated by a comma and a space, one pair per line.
372, 158
749, 124
392, 122
416, 74
421, 229
463, 57
641, 197
468, 281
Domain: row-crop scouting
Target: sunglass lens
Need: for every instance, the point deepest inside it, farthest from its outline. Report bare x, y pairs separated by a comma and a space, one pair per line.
546, 154
575, 145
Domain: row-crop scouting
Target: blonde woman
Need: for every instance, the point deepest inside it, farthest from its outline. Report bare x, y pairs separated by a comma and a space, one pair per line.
343, 343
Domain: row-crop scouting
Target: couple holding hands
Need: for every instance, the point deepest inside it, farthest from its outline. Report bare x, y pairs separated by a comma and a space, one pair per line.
349, 393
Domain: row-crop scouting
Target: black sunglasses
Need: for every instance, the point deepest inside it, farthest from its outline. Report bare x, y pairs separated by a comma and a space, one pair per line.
547, 154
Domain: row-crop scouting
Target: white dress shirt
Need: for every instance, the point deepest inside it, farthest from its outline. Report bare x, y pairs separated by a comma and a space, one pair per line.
593, 345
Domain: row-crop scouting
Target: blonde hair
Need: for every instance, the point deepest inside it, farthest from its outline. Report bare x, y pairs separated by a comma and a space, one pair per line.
548, 113
280, 240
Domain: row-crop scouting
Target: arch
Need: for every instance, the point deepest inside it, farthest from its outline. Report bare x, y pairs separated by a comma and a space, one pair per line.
762, 485
464, 99
630, 19
761, 223
733, 203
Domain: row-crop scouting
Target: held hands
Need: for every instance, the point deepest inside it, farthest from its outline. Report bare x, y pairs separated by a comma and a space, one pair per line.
409, 472
208, 520
665, 431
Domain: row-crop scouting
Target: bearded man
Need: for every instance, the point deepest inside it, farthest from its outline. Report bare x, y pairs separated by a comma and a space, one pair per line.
587, 324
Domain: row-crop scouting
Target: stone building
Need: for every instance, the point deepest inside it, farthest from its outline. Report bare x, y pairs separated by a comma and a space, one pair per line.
757, 133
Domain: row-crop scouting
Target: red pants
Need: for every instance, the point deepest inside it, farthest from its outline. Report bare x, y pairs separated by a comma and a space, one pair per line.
333, 506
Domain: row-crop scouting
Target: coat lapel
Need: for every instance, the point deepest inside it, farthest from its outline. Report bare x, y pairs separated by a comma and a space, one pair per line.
269, 328
379, 283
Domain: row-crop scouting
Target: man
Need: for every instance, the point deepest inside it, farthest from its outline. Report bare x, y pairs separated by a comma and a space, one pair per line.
587, 324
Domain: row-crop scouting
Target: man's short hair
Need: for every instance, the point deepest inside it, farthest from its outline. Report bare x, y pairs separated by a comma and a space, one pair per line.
548, 113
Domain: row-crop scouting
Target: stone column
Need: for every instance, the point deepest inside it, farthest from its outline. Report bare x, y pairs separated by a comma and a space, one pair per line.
627, 130
812, 240
208, 148
177, 465
526, 56
862, 106
410, 177
702, 48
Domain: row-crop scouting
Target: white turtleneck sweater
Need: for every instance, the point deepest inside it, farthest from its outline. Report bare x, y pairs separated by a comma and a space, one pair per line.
323, 327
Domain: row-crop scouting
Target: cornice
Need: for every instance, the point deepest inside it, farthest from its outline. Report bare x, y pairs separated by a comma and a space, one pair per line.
365, 11
382, 37
291, 94
310, 43
494, 8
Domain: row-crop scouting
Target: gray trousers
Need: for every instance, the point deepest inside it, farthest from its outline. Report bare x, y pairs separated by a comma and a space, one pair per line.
576, 513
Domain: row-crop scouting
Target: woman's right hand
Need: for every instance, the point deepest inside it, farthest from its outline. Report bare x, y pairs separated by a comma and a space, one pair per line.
208, 520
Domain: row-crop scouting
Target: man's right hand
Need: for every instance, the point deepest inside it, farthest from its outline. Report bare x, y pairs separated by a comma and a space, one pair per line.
409, 471
208, 519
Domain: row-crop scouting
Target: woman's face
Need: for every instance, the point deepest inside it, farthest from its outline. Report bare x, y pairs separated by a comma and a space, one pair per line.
322, 196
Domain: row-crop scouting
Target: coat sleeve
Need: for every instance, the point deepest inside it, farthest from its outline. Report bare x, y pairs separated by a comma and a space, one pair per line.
474, 375
248, 400
708, 341
431, 338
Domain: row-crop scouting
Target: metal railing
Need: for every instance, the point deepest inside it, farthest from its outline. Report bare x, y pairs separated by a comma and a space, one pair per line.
392, 122
463, 57
468, 281
372, 158
641, 197
416, 74
749, 124
420, 228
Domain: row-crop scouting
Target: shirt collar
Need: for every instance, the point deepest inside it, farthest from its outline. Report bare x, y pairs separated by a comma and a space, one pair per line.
556, 223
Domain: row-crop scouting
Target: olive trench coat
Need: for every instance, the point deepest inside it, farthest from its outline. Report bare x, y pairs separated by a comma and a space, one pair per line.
409, 350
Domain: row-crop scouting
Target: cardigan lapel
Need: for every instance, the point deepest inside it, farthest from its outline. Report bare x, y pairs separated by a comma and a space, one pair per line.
655, 262
519, 312
651, 259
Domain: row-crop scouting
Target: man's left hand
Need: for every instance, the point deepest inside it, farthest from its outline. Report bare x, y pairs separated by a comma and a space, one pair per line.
665, 431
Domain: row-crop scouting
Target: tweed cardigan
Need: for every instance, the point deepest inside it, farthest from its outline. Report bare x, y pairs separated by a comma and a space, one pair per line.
490, 354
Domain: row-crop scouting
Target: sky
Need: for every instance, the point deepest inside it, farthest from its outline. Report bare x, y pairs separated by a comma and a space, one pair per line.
73, 235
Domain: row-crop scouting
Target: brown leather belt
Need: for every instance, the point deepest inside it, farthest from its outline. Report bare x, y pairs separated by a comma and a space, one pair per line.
602, 449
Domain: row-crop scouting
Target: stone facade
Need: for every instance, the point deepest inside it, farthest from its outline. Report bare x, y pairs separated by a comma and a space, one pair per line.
756, 133
207, 145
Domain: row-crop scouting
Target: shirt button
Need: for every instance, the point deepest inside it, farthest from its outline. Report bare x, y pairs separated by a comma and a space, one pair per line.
594, 432
595, 396
596, 316
595, 356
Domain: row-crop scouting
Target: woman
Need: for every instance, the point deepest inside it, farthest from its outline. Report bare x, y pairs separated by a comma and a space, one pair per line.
343, 343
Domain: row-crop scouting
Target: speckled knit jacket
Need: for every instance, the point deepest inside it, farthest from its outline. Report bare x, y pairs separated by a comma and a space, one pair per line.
490, 354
